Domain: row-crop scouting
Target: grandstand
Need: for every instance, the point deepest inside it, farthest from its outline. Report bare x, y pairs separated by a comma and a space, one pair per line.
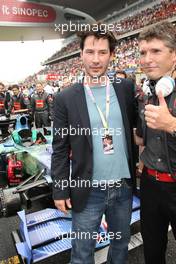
142, 13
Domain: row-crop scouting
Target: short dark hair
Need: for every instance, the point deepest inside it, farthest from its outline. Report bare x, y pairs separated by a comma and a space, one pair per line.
164, 31
15, 86
38, 82
121, 72
98, 32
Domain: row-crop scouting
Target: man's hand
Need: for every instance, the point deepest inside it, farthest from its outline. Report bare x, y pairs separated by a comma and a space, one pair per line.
62, 204
158, 116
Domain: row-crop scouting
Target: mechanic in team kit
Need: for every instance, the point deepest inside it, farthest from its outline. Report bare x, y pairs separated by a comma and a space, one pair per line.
19, 100
42, 107
5, 107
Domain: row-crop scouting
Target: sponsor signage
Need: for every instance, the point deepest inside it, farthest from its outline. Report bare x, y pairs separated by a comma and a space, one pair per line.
52, 77
16, 11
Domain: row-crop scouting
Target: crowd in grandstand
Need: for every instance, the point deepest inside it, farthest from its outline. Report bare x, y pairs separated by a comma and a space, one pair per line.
160, 11
71, 47
126, 53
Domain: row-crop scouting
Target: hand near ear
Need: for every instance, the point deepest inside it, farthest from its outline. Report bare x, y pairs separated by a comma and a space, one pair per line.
158, 116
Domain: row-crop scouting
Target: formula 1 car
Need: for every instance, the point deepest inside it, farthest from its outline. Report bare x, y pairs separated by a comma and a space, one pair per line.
24, 163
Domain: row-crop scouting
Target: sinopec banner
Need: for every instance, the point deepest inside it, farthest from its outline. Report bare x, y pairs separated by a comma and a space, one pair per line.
16, 11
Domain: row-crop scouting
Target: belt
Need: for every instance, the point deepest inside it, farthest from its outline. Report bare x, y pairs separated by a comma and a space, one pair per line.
115, 184
161, 176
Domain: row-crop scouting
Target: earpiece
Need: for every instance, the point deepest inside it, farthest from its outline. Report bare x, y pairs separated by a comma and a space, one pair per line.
166, 85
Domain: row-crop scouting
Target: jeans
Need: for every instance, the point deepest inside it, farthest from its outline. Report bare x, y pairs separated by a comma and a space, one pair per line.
116, 203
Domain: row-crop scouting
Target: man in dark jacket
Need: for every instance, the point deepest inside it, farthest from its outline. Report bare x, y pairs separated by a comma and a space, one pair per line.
85, 115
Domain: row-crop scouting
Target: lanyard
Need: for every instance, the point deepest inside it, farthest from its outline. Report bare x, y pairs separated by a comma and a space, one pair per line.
103, 118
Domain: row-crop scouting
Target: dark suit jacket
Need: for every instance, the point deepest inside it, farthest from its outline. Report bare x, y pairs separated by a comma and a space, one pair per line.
70, 110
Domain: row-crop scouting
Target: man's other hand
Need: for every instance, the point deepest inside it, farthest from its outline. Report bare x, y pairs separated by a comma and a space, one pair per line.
62, 205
